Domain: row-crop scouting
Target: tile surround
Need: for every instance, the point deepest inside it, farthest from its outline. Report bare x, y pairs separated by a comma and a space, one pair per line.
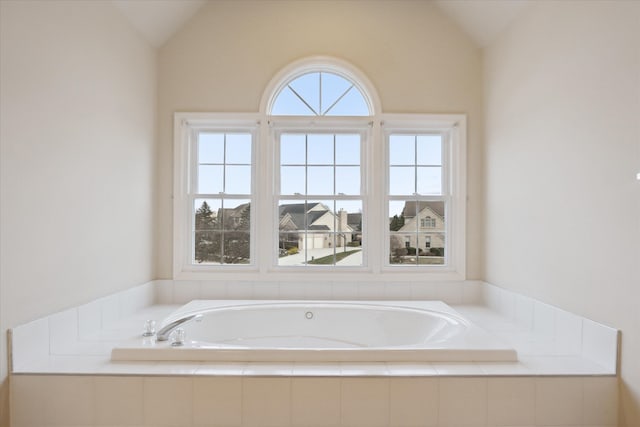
61, 400
386, 394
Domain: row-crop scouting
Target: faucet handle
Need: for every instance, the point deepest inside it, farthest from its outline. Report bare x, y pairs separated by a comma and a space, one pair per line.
178, 337
149, 329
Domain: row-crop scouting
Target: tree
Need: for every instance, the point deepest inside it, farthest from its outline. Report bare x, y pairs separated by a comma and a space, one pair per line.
207, 242
237, 246
396, 223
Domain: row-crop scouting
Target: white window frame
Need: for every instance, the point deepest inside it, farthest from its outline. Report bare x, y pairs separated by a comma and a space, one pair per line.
453, 128
186, 128
374, 183
359, 125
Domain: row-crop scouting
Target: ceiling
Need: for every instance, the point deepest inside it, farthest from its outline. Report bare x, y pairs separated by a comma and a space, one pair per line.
482, 20
158, 20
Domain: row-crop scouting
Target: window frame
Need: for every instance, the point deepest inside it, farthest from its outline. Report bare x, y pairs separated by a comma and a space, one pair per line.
321, 124
186, 128
453, 128
374, 158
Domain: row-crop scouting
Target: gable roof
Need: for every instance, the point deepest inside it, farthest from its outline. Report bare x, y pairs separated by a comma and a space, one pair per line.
411, 208
296, 212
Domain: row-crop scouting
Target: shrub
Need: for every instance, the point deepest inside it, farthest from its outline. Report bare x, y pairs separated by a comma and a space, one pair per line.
292, 250
436, 251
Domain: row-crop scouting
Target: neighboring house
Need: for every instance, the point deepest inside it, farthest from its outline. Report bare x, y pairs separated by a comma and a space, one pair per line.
423, 227
313, 226
235, 218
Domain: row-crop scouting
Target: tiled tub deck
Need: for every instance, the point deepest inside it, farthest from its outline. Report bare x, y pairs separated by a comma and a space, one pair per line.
62, 374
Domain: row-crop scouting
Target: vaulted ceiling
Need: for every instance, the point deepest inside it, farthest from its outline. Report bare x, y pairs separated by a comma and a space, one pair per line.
482, 20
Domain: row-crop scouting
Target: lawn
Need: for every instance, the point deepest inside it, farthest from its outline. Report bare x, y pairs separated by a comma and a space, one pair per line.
326, 260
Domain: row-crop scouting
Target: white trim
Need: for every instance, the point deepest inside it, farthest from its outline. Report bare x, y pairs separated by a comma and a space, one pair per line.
186, 125
454, 164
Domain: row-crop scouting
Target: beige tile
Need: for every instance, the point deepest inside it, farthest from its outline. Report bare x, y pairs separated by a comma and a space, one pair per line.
217, 401
315, 402
511, 401
69, 400
365, 402
559, 401
463, 402
266, 401
413, 402
27, 400
600, 401
119, 401
167, 401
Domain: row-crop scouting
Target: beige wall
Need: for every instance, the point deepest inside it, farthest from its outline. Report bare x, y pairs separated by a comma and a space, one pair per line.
562, 92
225, 57
77, 146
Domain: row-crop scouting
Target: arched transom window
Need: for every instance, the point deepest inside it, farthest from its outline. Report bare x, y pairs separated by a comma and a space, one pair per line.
320, 93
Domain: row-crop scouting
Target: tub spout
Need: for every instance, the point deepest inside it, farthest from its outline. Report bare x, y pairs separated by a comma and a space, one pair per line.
163, 334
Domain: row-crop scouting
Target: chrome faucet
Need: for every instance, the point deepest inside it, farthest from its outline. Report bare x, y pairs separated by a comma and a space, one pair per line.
164, 333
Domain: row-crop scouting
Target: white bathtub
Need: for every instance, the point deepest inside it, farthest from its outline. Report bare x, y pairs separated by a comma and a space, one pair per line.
326, 331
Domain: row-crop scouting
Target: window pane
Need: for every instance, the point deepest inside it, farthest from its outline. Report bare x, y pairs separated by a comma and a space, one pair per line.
347, 180
305, 96
236, 247
396, 215
429, 149
352, 104
239, 148
313, 231
210, 179
292, 180
288, 104
320, 180
431, 248
320, 149
400, 248
211, 147
402, 180
238, 180
292, 149
349, 232
207, 247
348, 149
402, 150
333, 87
236, 215
417, 232
307, 87
288, 249
206, 214
430, 180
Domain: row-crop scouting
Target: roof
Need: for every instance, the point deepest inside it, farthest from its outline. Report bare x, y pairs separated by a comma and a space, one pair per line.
297, 212
411, 208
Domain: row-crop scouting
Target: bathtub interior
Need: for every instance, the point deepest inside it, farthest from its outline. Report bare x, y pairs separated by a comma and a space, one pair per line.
323, 331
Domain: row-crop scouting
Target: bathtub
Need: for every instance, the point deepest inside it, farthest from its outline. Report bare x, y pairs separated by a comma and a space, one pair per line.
322, 331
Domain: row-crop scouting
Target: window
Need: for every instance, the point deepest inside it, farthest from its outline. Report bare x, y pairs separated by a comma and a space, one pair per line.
320, 202
427, 222
417, 193
319, 180
320, 94
217, 196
